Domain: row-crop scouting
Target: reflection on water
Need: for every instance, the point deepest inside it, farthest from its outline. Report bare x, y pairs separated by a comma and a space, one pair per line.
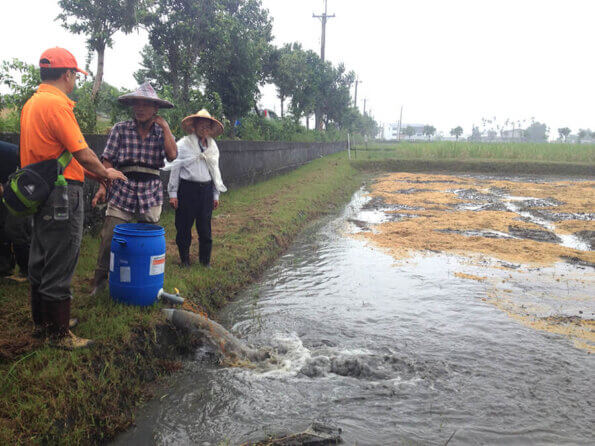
391, 353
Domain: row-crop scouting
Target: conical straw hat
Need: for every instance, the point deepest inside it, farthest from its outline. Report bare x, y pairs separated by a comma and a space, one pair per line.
188, 122
147, 93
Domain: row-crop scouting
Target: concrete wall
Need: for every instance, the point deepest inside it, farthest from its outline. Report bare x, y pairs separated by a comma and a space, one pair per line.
241, 162
244, 162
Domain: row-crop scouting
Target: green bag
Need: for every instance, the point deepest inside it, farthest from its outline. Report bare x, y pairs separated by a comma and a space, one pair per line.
28, 188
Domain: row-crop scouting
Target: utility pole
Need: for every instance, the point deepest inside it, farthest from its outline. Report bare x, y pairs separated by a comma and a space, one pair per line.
323, 18
357, 81
365, 99
400, 123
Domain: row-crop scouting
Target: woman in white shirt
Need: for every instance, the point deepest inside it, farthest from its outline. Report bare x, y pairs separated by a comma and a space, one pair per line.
195, 183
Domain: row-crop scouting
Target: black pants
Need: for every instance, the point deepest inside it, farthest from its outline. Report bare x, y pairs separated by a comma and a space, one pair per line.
195, 205
15, 238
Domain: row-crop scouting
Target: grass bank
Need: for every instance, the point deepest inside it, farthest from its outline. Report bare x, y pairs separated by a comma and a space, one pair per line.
480, 151
51, 396
495, 158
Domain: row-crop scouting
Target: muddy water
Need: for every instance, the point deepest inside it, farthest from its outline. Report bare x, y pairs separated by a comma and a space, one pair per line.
391, 352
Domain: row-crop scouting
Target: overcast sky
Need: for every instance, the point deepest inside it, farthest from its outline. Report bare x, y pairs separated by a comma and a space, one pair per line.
447, 62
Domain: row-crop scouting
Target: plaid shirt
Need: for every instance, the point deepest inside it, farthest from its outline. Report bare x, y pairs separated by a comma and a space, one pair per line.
125, 148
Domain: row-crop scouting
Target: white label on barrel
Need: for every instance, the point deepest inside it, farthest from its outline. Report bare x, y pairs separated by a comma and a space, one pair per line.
157, 265
124, 274
111, 262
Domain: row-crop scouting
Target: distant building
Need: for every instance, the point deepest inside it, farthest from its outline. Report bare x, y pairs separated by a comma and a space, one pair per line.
512, 135
391, 131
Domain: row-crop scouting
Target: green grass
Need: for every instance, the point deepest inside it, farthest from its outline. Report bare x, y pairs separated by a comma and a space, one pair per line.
51, 396
462, 150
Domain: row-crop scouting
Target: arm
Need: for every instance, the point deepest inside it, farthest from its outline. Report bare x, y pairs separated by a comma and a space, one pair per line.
87, 158
169, 141
172, 186
101, 193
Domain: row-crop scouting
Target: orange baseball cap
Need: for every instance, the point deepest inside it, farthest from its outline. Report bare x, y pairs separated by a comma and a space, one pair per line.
59, 58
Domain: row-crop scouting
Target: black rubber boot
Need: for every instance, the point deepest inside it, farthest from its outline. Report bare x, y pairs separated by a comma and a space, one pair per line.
57, 314
37, 314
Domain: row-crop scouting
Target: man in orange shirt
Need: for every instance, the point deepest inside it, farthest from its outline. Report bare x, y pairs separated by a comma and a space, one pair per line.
48, 128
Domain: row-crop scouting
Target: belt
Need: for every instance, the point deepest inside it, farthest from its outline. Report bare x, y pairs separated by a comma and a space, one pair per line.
139, 169
197, 183
74, 182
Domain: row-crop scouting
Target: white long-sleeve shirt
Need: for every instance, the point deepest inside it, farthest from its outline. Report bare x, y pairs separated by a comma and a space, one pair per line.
193, 171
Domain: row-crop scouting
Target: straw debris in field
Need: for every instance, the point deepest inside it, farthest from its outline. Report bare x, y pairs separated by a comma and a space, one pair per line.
456, 216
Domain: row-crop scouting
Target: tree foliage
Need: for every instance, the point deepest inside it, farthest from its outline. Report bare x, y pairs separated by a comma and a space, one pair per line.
564, 132
409, 131
429, 131
457, 132
99, 20
235, 62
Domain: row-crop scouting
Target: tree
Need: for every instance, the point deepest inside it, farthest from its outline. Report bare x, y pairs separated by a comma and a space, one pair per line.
582, 134
456, 132
99, 20
564, 132
235, 61
475, 134
536, 132
429, 130
409, 131
21, 80
304, 96
180, 33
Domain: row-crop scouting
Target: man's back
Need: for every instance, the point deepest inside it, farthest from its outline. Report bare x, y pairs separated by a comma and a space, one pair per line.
48, 127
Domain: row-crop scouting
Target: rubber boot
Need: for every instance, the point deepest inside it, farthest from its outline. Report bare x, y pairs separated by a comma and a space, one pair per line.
57, 321
37, 314
39, 317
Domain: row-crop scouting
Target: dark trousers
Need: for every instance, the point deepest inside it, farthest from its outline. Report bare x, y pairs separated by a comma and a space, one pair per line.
15, 238
55, 248
195, 205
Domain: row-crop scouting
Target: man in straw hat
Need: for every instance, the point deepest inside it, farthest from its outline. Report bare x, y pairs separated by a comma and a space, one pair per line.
195, 183
137, 147
49, 130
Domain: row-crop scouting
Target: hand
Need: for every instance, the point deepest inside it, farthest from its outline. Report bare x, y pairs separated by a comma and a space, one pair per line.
1, 190
99, 196
113, 174
173, 202
161, 121
215, 204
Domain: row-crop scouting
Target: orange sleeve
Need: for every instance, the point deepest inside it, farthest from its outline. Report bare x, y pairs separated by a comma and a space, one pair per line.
67, 130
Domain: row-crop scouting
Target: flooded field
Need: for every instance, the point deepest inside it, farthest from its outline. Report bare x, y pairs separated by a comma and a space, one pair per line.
528, 240
434, 309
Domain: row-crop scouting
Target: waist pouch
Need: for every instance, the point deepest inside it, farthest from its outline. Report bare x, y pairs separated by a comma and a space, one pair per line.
28, 188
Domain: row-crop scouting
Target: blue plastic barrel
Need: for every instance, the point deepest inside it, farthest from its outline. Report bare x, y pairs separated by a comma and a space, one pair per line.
137, 263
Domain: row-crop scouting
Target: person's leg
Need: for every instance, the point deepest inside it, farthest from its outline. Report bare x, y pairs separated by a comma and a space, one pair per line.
203, 224
185, 216
35, 268
59, 250
113, 218
18, 231
6, 254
